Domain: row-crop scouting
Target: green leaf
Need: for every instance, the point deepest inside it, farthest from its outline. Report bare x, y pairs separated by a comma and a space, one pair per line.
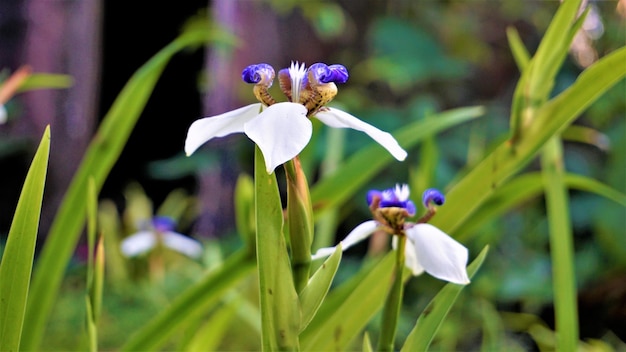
208, 336
520, 54
431, 319
364, 165
46, 81
480, 183
561, 246
280, 311
588, 135
539, 73
99, 158
314, 293
17, 260
350, 308
525, 187
244, 209
198, 299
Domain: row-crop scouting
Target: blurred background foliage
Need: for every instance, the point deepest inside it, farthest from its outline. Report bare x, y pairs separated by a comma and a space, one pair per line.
406, 59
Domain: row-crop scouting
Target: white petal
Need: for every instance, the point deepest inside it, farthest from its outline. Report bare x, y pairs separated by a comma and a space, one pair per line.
439, 254
138, 243
410, 257
3, 114
182, 244
281, 131
355, 236
341, 119
227, 123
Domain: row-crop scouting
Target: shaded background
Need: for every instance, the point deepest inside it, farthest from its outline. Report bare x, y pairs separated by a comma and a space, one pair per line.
406, 58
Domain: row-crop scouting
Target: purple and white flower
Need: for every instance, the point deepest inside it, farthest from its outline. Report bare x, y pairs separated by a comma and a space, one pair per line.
160, 231
427, 248
282, 130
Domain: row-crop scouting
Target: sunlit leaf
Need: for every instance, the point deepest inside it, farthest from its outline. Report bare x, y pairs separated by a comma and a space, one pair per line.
280, 311
17, 260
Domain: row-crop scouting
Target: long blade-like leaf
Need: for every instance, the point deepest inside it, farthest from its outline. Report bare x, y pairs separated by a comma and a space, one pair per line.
198, 299
340, 319
479, 184
280, 311
17, 260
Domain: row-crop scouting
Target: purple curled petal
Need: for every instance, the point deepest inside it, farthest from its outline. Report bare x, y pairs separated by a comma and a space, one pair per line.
321, 72
410, 208
372, 194
257, 73
339, 73
433, 195
163, 223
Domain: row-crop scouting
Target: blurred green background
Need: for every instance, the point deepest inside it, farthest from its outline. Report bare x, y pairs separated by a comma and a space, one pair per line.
407, 59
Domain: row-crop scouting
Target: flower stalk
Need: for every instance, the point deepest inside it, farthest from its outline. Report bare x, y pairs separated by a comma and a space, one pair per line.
300, 222
391, 310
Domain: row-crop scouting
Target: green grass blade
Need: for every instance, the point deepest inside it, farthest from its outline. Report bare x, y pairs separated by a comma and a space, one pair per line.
561, 246
356, 171
520, 54
198, 299
481, 182
17, 260
341, 318
280, 311
431, 319
314, 293
525, 187
99, 158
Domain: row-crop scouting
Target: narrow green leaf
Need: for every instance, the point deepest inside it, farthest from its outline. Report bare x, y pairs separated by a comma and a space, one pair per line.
481, 182
211, 333
520, 54
524, 188
588, 135
94, 271
99, 158
367, 344
92, 330
551, 52
362, 166
431, 319
314, 293
280, 311
198, 299
244, 209
539, 74
17, 260
561, 246
341, 318
46, 81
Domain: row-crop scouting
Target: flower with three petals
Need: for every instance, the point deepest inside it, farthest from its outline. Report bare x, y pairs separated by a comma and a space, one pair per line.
282, 130
427, 249
160, 231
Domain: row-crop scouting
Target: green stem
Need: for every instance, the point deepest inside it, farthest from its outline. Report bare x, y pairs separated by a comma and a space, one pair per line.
391, 311
561, 246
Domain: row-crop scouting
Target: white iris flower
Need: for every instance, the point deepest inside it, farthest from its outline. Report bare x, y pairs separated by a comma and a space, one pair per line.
427, 248
161, 232
282, 130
